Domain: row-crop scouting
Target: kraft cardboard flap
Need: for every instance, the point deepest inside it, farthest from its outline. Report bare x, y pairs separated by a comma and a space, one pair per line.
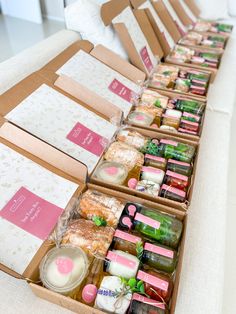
43, 153
193, 7
33, 171
185, 19
117, 63
110, 9
132, 35
160, 30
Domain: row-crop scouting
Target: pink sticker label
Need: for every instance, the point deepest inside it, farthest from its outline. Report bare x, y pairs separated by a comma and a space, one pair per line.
181, 163
132, 183
153, 280
148, 221
187, 131
140, 118
127, 236
89, 293
173, 190
141, 298
168, 142
176, 175
151, 170
65, 265
31, 213
190, 123
113, 257
190, 115
197, 87
155, 158
132, 210
126, 221
146, 59
87, 139
121, 90
159, 250
169, 117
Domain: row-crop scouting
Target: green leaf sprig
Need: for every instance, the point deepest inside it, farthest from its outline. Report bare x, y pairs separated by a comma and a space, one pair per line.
133, 285
139, 250
157, 103
99, 221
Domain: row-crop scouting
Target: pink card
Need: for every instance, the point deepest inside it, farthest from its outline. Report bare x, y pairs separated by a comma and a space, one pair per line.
88, 139
121, 90
146, 59
31, 213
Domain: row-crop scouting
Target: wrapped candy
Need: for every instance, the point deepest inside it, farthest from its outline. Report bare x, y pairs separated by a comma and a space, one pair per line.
111, 172
172, 193
157, 286
160, 227
126, 242
153, 98
144, 305
141, 118
155, 161
89, 237
108, 298
152, 174
159, 257
94, 204
176, 180
149, 187
63, 269
122, 264
175, 150
124, 154
179, 167
131, 137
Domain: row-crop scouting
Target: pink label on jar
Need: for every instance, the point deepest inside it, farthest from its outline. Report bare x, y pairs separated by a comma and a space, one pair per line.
173, 190
190, 123
89, 293
187, 131
31, 213
88, 139
176, 175
168, 142
141, 298
113, 257
121, 90
198, 87
190, 115
126, 221
146, 59
169, 117
155, 158
140, 117
132, 210
148, 221
111, 170
127, 236
132, 183
153, 280
65, 265
151, 170
158, 250
181, 163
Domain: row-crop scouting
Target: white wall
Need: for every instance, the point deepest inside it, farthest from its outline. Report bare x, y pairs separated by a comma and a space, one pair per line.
53, 9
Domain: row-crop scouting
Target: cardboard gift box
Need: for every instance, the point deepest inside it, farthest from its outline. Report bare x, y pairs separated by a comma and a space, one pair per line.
163, 35
66, 179
161, 200
74, 83
129, 33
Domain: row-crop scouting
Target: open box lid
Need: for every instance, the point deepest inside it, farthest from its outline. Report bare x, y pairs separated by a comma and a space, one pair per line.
38, 108
163, 35
167, 19
193, 7
35, 177
184, 13
79, 73
135, 32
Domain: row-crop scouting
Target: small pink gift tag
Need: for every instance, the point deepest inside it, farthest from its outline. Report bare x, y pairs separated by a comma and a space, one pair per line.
31, 213
87, 139
121, 90
146, 59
